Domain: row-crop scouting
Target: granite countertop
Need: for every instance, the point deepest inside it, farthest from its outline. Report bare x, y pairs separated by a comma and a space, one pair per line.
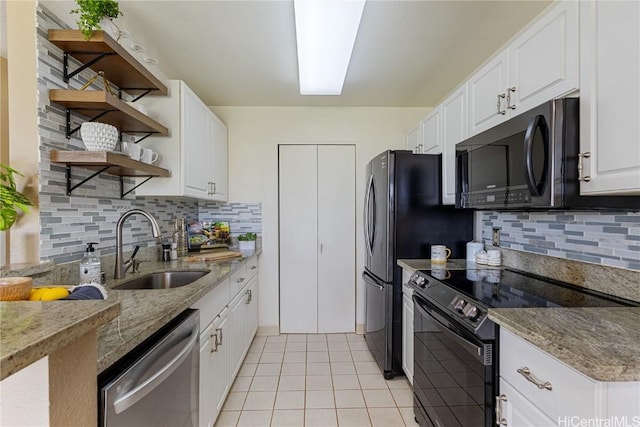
145, 311
603, 343
451, 264
31, 330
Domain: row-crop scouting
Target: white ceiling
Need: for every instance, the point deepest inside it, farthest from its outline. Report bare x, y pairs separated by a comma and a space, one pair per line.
239, 53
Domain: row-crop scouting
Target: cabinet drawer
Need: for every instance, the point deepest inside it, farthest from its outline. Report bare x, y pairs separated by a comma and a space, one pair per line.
518, 411
212, 303
252, 266
238, 279
572, 393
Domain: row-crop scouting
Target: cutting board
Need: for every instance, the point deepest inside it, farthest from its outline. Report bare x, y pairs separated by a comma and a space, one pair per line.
213, 256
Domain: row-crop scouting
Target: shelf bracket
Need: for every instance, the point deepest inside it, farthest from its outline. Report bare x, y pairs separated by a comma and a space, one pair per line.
70, 188
68, 75
142, 138
146, 92
122, 192
69, 131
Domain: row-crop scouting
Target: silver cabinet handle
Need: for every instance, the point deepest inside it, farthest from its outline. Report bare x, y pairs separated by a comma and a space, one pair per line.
509, 90
248, 300
581, 157
219, 331
240, 280
214, 184
253, 267
214, 343
501, 96
500, 421
526, 372
250, 295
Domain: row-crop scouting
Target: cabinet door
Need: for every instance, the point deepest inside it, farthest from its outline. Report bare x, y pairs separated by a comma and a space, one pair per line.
251, 311
454, 130
206, 409
544, 59
430, 134
237, 328
407, 336
485, 90
220, 368
610, 96
517, 411
196, 147
298, 239
336, 195
219, 168
413, 139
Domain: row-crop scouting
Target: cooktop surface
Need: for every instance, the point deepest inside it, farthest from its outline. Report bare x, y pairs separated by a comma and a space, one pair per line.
511, 289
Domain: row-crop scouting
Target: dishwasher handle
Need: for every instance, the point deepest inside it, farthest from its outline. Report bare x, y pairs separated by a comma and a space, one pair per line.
130, 398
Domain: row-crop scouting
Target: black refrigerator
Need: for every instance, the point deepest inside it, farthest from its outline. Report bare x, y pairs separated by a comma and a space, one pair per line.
403, 217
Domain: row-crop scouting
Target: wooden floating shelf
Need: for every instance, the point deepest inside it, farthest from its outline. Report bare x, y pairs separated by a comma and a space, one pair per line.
119, 165
119, 66
119, 114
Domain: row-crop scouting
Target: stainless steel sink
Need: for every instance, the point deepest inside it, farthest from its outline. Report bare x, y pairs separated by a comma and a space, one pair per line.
163, 280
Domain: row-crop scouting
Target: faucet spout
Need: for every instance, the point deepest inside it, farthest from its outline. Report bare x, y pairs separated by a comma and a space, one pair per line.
155, 231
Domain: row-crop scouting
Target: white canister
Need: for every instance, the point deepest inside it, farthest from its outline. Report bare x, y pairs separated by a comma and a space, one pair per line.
472, 249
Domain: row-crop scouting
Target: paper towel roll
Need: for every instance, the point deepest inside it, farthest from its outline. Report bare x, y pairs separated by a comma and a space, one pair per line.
472, 249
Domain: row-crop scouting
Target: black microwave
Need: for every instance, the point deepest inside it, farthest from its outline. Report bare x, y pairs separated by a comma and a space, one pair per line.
528, 162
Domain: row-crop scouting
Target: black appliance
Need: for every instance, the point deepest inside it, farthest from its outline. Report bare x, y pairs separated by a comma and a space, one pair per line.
456, 345
403, 217
528, 162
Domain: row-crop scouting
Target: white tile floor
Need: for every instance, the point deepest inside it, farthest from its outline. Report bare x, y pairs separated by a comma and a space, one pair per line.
315, 380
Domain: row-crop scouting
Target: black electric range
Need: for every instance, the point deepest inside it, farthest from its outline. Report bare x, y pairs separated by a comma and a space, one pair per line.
456, 345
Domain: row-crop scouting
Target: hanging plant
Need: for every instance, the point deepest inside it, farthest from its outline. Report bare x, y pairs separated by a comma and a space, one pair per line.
92, 12
12, 200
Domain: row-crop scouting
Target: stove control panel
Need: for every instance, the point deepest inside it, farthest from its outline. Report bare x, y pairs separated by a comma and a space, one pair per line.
466, 309
418, 280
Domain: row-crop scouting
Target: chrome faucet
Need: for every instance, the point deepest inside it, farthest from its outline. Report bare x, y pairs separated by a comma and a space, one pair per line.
155, 229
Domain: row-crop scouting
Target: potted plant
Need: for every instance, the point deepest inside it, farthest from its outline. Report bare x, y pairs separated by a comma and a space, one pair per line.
12, 200
247, 241
92, 12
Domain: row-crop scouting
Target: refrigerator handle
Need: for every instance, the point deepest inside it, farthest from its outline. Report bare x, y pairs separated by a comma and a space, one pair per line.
367, 201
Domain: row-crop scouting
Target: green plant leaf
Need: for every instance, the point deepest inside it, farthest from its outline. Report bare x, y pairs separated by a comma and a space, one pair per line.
7, 218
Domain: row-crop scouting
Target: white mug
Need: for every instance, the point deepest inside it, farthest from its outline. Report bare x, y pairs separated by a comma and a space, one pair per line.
149, 156
133, 150
439, 254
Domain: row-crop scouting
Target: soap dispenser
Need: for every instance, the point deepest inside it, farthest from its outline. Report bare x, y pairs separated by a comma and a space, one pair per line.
90, 266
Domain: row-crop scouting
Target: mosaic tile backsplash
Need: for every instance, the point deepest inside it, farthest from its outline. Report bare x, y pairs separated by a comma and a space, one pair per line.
90, 214
606, 238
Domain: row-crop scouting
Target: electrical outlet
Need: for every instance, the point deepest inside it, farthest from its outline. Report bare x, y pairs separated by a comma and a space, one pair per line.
495, 238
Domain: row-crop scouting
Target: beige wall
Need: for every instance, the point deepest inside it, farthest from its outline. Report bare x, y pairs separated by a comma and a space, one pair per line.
4, 141
23, 123
254, 135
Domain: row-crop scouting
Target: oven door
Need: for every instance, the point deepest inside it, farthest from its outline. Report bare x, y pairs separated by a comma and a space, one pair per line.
453, 377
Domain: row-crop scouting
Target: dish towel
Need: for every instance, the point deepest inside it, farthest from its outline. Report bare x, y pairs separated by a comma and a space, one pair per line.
86, 291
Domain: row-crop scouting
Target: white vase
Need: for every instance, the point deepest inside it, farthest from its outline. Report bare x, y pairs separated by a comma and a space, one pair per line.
247, 245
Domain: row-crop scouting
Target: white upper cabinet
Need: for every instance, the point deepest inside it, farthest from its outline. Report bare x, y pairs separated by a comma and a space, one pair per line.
610, 97
413, 140
195, 152
487, 94
544, 59
454, 130
540, 64
431, 132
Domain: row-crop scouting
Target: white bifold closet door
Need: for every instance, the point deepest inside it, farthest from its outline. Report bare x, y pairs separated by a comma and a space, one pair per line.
317, 238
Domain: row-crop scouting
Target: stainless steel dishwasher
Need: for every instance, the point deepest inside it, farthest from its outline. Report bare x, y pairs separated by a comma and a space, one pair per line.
155, 384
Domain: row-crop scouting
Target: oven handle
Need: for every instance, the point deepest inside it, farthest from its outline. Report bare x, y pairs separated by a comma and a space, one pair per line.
473, 349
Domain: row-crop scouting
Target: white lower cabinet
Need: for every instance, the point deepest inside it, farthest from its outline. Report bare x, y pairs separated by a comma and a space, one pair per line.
537, 389
227, 330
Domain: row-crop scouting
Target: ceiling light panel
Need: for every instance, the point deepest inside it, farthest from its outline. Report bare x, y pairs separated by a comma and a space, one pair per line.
325, 33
